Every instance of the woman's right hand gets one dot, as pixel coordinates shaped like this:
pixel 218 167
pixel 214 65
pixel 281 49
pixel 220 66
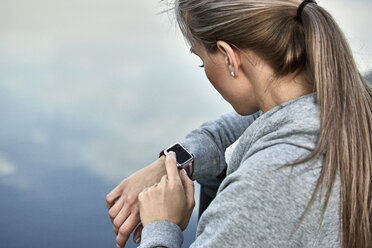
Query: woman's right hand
pixel 122 201
pixel 172 199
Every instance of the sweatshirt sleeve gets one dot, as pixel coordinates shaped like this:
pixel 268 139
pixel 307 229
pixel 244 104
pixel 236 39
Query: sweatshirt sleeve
pixel 161 234
pixel 209 142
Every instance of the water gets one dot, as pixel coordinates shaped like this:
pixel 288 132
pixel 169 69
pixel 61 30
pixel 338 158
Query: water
pixel 90 92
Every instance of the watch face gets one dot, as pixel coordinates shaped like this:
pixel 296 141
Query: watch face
pixel 183 156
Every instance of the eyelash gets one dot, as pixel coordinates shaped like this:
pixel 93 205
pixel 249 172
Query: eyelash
pixel 201 66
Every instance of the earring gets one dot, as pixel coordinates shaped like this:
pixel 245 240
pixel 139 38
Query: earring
pixel 232 74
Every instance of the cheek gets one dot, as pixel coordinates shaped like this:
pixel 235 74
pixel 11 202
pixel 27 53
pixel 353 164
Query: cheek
pixel 214 76
pixel 210 77
pixel 242 98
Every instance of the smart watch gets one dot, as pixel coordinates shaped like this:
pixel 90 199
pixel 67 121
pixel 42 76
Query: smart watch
pixel 185 158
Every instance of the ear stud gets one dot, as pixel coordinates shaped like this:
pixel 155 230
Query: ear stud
pixel 232 74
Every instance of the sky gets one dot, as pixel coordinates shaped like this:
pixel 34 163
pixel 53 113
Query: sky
pixel 90 92
pixel 112 82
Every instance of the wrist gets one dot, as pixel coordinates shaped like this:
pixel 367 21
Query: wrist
pixel 185 159
pixel 152 173
pixel 159 169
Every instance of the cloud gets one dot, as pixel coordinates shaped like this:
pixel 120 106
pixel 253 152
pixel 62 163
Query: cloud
pixel 354 18
pixel 7 168
pixel 111 82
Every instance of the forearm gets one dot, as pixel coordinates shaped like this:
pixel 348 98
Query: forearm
pixel 209 142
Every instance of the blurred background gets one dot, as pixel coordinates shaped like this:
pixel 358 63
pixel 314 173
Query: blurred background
pixel 90 92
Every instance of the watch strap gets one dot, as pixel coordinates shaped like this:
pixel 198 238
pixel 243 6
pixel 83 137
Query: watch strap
pixel 189 169
pixel 161 153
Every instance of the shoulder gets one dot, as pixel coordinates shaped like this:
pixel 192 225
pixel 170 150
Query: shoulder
pixel 289 128
pixel 271 199
pixel 265 172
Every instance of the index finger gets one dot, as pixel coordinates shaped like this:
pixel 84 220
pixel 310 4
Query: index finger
pixel 171 166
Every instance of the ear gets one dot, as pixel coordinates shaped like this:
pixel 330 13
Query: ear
pixel 232 56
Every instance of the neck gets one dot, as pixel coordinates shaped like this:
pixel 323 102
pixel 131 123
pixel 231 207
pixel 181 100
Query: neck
pixel 272 91
pixel 285 89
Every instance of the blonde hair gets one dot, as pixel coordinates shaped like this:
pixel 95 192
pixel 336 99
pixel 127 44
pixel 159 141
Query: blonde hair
pixel 317 47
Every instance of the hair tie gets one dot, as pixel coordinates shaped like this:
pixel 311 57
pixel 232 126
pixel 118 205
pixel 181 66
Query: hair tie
pixel 301 8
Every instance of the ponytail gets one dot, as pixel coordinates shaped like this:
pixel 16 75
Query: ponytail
pixel 345 100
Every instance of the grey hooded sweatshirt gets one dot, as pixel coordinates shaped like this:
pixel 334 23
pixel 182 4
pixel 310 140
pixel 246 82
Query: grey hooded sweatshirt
pixel 260 203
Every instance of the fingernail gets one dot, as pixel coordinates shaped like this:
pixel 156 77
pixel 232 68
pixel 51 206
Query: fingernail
pixel 138 240
pixel 171 155
pixel 184 171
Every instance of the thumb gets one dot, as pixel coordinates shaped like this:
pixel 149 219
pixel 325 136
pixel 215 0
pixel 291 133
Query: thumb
pixel 188 186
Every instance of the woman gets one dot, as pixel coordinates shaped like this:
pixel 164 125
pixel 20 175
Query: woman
pixel 300 173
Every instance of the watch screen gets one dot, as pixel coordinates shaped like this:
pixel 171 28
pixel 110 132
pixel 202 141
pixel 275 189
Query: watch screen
pixel 181 154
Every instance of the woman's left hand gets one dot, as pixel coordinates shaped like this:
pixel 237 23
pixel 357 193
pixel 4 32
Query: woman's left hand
pixel 172 199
